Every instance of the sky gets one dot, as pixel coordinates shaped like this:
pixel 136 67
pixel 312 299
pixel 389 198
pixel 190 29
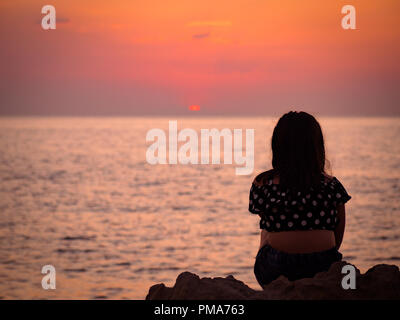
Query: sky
pixel 236 57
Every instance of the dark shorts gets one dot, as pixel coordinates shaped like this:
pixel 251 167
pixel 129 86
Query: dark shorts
pixel 271 263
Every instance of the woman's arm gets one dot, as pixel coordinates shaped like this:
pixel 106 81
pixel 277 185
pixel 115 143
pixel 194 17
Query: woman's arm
pixel 264 238
pixel 339 231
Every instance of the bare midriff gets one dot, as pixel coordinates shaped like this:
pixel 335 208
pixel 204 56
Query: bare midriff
pixel 299 241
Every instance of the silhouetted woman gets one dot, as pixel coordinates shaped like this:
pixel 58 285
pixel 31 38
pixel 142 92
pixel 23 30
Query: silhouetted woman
pixel 301 207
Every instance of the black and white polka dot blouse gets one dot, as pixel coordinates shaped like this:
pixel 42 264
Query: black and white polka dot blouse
pixel 284 210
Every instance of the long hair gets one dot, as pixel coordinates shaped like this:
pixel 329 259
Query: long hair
pixel 298 150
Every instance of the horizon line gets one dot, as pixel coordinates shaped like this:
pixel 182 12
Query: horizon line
pixel 195 115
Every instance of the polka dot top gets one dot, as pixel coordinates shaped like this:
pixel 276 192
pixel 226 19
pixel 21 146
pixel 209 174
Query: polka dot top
pixel 283 210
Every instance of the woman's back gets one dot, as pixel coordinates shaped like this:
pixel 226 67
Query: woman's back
pixel 299 241
pixel 299 223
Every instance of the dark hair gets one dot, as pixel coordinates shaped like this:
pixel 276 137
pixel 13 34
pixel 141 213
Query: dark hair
pixel 298 151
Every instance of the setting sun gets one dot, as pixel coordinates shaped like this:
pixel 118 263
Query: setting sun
pixel 194 107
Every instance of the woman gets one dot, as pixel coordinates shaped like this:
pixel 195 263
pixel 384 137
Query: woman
pixel 301 207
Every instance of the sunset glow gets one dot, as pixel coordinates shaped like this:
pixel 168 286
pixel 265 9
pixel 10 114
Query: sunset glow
pixel 134 57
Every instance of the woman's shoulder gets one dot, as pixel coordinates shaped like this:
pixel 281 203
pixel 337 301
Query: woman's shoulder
pixel 339 192
pixel 328 178
pixel 271 177
pixel 264 177
pixel 331 180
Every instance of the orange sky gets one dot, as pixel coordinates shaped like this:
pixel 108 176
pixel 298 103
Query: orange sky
pixel 230 57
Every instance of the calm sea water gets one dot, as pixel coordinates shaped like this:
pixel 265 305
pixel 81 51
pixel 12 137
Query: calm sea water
pixel 78 194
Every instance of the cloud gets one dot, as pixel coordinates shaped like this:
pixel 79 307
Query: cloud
pixel 201 35
pixel 62 20
pixel 216 23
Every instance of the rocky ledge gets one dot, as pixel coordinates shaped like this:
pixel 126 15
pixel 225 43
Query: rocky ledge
pixel 380 282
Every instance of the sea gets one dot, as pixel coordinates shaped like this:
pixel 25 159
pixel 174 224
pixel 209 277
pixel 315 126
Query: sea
pixel 77 193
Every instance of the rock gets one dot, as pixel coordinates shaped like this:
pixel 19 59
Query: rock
pixel 380 282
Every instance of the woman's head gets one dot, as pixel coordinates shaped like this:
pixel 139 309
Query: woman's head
pixel 298 151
